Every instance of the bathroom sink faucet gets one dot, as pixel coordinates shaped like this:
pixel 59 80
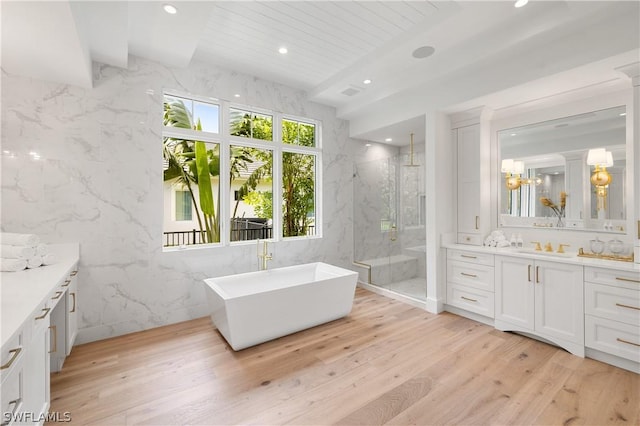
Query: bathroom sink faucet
pixel 548 247
pixel 263 256
pixel 561 248
pixel 537 243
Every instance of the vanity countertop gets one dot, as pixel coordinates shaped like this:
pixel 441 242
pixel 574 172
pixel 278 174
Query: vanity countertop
pixel 22 292
pixel 569 257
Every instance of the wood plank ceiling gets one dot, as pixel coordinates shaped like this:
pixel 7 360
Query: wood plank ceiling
pixel 322 37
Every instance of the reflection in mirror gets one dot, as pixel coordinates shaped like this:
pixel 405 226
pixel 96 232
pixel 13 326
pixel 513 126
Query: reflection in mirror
pixel 545 177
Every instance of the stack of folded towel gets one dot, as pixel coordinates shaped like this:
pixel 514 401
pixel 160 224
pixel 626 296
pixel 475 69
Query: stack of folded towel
pixel 496 239
pixel 21 251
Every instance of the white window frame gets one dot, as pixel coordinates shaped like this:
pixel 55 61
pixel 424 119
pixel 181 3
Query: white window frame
pixel 276 146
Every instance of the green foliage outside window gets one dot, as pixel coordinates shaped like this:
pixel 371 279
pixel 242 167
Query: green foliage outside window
pixel 192 164
pixel 251 125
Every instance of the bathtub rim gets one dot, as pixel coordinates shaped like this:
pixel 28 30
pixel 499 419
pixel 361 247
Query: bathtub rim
pixel 336 271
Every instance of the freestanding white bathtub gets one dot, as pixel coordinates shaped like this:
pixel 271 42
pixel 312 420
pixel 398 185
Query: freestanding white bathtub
pixel 255 307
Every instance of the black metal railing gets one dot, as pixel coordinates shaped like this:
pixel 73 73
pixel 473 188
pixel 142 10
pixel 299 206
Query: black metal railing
pixel 250 229
pixel 241 230
pixel 183 238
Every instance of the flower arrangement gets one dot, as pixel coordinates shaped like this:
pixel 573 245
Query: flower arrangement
pixel 557 210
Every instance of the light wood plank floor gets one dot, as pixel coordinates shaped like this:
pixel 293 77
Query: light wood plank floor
pixel 386 363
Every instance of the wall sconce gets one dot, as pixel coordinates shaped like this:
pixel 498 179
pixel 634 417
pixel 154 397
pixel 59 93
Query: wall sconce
pixel 600 159
pixel 514 169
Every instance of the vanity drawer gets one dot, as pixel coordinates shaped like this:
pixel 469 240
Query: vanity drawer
pixel 470 256
pixel 626 279
pixel 615 303
pixel 470 274
pixel 13 351
pixel 12 395
pixel 613 337
pixel 470 299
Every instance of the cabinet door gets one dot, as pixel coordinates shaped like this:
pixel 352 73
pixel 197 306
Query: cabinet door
pixel 559 301
pixel 72 312
pixel 468 153
pixel 36 380
pixel 515 293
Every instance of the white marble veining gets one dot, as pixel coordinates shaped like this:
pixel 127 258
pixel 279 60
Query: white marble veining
pixel 386 190
pixel 99 182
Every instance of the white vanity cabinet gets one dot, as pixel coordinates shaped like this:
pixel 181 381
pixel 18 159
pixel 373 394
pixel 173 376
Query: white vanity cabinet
pixel 35 334
pixel 12 374
pixel 36 378
pixel 544 298
pixel 612 314
pixel 72 309
pixel 470 281
pixel 469 178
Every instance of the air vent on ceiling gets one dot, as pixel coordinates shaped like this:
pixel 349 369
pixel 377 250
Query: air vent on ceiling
pixel 350 91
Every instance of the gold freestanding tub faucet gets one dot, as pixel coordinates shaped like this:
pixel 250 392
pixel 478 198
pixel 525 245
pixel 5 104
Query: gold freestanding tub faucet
pixel 263 257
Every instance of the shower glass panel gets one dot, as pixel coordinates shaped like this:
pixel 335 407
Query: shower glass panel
pixel 389 224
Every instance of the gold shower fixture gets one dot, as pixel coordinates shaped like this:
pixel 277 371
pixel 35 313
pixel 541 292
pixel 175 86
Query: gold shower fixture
pixel 411 163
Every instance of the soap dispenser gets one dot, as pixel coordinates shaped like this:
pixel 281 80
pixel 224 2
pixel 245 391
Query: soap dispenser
pixel 513 240
pixel 520 241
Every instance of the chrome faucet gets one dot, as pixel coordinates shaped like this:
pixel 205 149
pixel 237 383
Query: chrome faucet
pixel 263 257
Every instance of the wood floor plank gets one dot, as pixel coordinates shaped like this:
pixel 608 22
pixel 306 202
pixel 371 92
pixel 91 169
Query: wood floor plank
pixel 386 363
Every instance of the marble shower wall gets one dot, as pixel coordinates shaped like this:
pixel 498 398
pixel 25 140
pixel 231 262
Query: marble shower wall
pixel 385 189
pixel 99 182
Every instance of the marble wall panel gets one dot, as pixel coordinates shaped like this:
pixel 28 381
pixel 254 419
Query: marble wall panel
pixel 99 182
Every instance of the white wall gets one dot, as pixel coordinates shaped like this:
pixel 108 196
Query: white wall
pixel 99 182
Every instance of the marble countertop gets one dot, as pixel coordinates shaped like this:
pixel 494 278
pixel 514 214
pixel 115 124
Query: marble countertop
pixel 569 257
pixel 22 292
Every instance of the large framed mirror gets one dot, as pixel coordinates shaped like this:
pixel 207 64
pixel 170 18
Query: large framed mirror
pixel 546 179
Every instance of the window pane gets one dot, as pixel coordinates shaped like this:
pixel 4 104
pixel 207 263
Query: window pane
pixel 196 167
pixel 239 123
pixel 186 114
pixel 208 116
pixel 251 187
pixel 183 205
pixel 298 194
pixel 262 127
pixel 298 133
pixel 250 125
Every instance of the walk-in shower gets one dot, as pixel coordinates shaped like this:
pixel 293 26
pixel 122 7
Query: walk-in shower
pixel 389 223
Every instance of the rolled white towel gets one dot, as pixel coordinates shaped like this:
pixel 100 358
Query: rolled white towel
pixel 34 262
pixel 42 249
pixel 503 243
pixel 13 239
pixel 16 252
pixel 12 265
pixel 48 259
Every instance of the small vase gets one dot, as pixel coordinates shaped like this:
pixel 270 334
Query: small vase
pixel 560 222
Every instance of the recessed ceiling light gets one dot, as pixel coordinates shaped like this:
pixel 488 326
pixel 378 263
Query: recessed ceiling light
pixel 388 140
pixel 513 134
pixel 423 52
pixel 237 95
pixel 170 9
pixel 520 3
pixel 283 50
pixel 622 114
pixel 366 81
pixel 367 144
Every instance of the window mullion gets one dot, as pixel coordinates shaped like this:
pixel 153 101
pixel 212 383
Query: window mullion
pixel 277 176
pixel 225 186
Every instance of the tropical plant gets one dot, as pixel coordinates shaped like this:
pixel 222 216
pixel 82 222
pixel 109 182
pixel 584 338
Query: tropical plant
pixel 191 163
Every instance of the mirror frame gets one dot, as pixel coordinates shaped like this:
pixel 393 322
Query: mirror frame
pixel 561 107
